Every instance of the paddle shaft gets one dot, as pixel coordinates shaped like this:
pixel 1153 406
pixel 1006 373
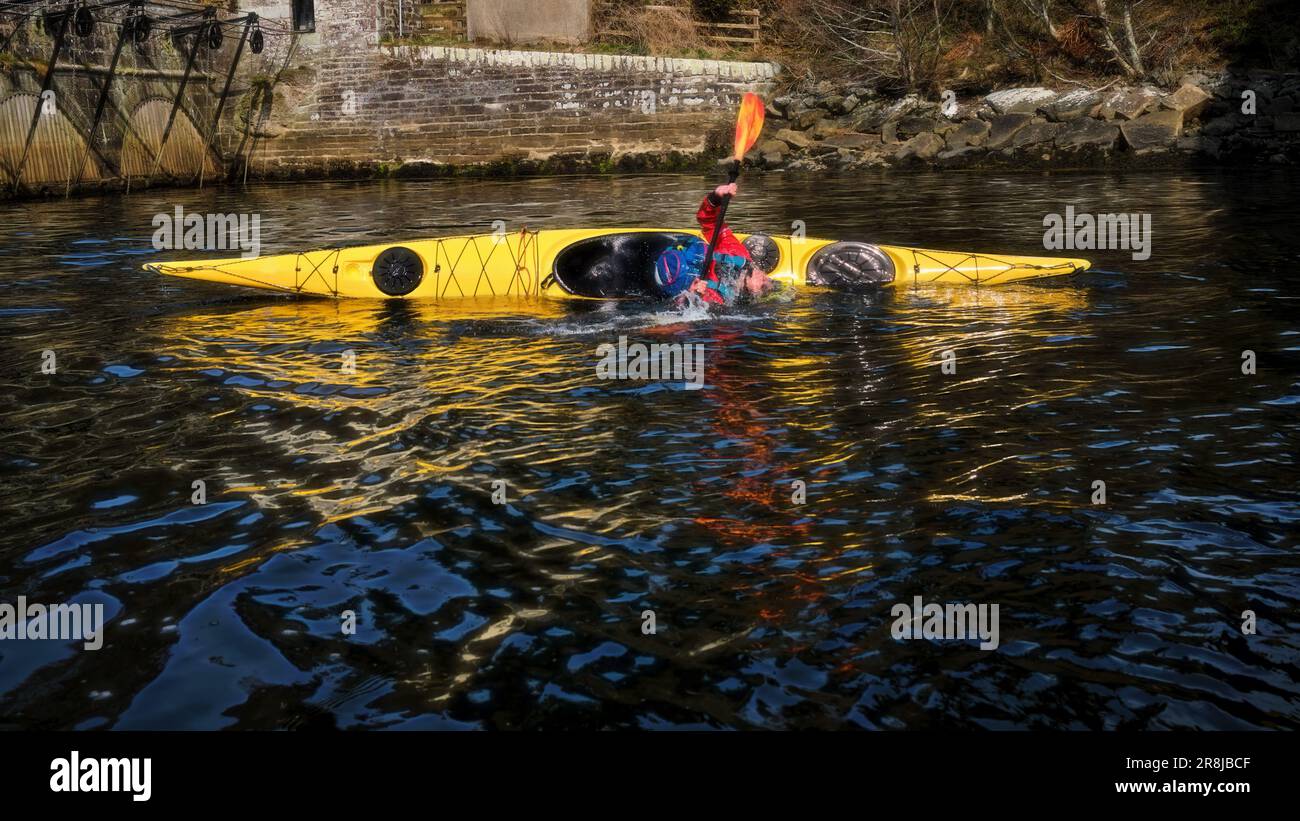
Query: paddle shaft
pixel 722 217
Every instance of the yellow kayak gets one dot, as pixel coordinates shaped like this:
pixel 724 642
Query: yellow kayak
pixel 594 263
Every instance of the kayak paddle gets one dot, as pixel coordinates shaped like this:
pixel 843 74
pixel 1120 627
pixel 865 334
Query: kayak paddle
pixel 749 123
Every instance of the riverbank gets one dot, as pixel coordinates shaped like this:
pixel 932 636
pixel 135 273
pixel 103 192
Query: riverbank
pixel 1207 118
pixel 1219 117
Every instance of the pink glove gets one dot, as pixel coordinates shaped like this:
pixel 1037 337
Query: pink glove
pixel 725 190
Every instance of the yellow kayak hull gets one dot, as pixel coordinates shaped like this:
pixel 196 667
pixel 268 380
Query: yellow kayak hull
pixel 520 264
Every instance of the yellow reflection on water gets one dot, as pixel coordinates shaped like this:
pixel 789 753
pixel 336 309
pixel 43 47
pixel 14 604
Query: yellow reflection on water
pixel 442 387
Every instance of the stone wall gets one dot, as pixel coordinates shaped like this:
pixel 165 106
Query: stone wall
pixel 426 109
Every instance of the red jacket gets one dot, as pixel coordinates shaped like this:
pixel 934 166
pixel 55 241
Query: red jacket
pixel 727 242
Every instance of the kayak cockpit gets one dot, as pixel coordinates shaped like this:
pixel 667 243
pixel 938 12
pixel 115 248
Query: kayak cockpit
pixel 615 265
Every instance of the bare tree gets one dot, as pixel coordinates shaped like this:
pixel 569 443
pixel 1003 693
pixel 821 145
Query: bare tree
pixel 1128 56
pixel 894 42
pixel 1042 11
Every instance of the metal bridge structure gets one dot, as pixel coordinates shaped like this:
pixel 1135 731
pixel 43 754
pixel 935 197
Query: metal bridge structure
pixel 122 93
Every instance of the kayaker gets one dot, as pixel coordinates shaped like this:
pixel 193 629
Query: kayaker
pixel 733 276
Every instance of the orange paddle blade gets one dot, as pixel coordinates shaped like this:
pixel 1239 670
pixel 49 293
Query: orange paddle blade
pixel 748 124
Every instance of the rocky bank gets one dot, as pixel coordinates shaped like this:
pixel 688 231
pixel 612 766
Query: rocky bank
pixel 1207 117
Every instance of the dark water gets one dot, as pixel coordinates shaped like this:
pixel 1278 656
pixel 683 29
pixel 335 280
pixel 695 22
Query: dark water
pixel 373 492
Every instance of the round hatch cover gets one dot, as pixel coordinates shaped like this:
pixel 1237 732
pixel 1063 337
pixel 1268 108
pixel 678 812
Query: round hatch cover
pixel 397 271
pixel 850 265
pixel 764 251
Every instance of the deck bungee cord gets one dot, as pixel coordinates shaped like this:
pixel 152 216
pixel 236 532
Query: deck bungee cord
pixel 976 277
pixel 395 270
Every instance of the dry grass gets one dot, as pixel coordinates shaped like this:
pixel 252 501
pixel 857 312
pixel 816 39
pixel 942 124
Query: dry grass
pixel 667 32
pixel 660 30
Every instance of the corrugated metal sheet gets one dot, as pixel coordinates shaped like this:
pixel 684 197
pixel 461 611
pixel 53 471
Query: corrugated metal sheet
pixel 182 155
pixel 56 146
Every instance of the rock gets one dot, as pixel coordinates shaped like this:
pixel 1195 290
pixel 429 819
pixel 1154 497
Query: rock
pixel 851 140
pixel 1288 122
pixel 1019 100
pixel 1087 132
pixel 847 158
pixel 781 105
pixel 1071 106
pixel 825 128
pixel 1222 126
pixel 1189 100
pixel 794 138
pixel 805 120
pixel 1036 132
pixel 911 104
pixel 1004 127
pixel 1153 131
pixel 806 164
pixel 1263 93
pixel 889 132
pixel 773 146
pixel 1213 82
pixel 1129 103
pixel 839 104
pixel 958 156
pixel 970 110
pixel 772 160
pixel 1199 145
pixel 869 117
pixel 921 147
pixel 908 127
pixel 969 133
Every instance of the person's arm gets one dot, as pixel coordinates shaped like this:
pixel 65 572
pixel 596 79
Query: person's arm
pixel 707 216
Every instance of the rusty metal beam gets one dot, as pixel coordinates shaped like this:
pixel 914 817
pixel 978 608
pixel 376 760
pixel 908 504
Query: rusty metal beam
pixel 249 21
pixel 176 103
pixel 122 36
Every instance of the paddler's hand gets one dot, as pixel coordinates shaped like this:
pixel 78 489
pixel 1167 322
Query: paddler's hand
pixel 728 190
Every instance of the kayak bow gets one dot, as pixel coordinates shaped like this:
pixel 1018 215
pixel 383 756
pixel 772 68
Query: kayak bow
pixel 600 263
